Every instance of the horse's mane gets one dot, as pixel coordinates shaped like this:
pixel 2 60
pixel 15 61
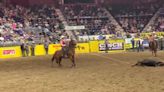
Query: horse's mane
pixel 72 44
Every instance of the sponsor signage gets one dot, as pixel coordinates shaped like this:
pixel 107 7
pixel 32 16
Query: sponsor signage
pixel 74 27
pixel 111 46
pixel 8 52
pixel 145 43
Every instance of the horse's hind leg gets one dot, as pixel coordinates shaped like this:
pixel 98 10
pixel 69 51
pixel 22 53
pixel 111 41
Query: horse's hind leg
pixel 73 61
pixel 59 61
pixel 52 60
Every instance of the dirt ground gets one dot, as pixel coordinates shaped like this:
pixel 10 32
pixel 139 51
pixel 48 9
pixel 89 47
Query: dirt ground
pixel 94 73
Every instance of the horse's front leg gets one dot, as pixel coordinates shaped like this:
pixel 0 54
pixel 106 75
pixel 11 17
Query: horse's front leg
pixel 52 64
pixel 52 60
pixel 155 53
pixel 73 61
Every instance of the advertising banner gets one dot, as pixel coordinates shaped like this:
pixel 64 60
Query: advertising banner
pixel 53 48
pixel 82 48
pixel 145 43
pixel 111 46
pixel 9 52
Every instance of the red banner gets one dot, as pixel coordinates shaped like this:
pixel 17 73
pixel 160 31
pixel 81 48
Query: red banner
pixel 8 52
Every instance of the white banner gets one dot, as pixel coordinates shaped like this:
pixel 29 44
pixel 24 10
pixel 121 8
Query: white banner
pixel 74 27
pixel 111 46
pixel 92 37
pixel 128 40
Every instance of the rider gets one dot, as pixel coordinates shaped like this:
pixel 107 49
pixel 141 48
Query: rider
pixel 152 38
pixel 63 43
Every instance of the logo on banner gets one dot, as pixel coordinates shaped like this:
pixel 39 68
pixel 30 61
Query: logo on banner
pixel 8 52
pixel 146 43
pixel 111 46
pixel 80 47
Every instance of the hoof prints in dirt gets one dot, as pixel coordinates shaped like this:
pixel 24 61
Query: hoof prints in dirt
pixel 149 63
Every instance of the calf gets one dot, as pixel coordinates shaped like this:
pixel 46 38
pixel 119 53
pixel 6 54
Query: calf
pixel 149 63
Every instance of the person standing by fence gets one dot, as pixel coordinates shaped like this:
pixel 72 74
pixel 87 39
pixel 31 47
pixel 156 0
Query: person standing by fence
pixel 133 43
pixel 27 48
pixel 23 49
pixel 46 45
pixel 106 45
pixel 33 49
pixel 139 45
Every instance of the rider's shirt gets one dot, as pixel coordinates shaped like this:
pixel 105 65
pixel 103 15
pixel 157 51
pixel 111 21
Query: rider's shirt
pixel 63 42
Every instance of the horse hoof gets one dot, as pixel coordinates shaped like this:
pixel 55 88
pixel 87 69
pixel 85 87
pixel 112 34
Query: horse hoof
pixel 73 66
pixel 60 65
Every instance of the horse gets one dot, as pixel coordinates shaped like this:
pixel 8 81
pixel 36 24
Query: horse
pixel 153 46
pixel 58 55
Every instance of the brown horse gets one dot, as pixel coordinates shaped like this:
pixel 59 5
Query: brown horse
pixel 58 55
pixel 153 47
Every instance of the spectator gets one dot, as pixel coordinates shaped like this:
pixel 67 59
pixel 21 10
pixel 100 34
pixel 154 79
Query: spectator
pixel 133 43
pixel 33 49
pixel 139 45
pixel 106 45
pixel 46 45
pixel 23 49
pixel 27 48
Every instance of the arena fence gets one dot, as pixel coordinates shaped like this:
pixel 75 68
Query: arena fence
pixel 116 45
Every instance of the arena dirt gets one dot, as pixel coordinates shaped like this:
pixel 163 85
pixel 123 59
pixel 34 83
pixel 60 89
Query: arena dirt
pixel 94 73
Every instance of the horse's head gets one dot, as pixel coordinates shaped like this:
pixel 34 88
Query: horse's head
pixel 72 43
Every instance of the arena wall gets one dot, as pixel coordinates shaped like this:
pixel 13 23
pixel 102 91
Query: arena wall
pixel 92 46
pixel 89 47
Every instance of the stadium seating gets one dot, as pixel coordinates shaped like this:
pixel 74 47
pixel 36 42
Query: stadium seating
pixel 40 23
pixel 133 18
pixel 93 17
pixel 36 23
pixel 159 22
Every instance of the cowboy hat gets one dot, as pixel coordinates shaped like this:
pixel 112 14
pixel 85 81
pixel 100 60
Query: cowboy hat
pixel 62 37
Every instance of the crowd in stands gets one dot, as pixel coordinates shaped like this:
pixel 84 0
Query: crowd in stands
pixel 159 22
pixel 35 24
pixel 93 17
pixel 133 18
pixel 41 23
